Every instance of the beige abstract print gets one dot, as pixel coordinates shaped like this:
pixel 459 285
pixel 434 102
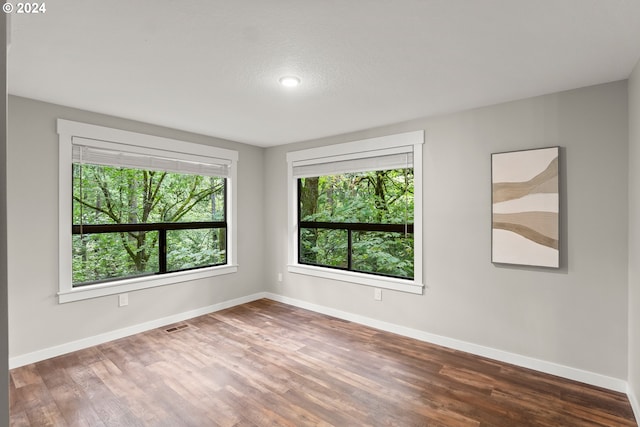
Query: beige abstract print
pixel 525 207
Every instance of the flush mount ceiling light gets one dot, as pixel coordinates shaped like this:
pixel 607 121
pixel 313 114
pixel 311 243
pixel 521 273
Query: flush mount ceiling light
pixel 289 81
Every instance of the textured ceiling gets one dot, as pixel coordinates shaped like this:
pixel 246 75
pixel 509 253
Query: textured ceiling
pixel 212 66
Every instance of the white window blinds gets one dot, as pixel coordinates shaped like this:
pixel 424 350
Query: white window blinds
pixel 95 152
pixel 383 159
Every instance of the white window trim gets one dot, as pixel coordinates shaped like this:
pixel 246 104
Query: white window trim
pixel 351 150
pixel 139 143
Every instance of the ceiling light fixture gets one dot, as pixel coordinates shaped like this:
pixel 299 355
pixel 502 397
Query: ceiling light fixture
pixel 289 81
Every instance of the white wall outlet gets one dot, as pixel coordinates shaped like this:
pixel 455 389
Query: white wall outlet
pixel 377 294
pixel 279 277
pixel 123 299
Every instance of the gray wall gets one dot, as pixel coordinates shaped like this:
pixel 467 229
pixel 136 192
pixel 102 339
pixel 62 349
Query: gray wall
pixel 634 236
pixel 36 319
pixel 575 316
pixel 4 363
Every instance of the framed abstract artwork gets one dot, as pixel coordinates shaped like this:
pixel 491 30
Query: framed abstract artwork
pixel 525 207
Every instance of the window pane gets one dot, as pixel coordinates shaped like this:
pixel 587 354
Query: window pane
pixel 195 248
pixel 113 195
pixel 382 197
pixel 323 247
pixel 383 253
pixel 375 197
pixel 108 195
pixel 114 256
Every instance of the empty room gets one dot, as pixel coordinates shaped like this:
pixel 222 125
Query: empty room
pixel 320 213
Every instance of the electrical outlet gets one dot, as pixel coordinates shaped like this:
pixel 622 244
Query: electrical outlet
pixel 279 277
pixel 123 299
pixel 377 294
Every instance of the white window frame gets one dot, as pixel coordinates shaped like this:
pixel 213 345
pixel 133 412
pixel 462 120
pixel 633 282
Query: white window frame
pixel 408 142
pixel 104 137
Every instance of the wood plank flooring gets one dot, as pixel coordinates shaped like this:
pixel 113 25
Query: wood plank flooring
pixel 270 364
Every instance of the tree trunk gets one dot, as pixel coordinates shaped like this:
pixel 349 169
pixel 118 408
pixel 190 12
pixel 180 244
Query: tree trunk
pixel 380 200
pixel 308 207
pixel 138 238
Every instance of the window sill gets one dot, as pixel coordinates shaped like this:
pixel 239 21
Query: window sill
pixel 359 278
pixel 128 285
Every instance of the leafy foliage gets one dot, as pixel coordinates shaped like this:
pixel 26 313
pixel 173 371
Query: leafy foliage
pixel 383 253
pixel 113 195
pixel 195 248
pixel 376 197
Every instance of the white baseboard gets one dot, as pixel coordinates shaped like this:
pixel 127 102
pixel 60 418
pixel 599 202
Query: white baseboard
pixel 47 353
pixel 587 377
pixel 503 356
pixel 635 403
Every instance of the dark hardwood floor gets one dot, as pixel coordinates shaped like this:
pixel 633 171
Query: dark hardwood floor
pixel 270 364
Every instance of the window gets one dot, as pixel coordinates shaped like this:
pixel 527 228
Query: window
pixel 358 221
pixel 132 222
pixel 355 212
pixel 138 211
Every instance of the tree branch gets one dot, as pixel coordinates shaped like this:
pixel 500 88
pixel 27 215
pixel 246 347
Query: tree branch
pixel 154 195
pixel 200 196
pixel 107 196
pixel 127 248
pixel 106 212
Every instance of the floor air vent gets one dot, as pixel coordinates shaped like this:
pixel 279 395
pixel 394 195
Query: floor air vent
pixel 176 328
